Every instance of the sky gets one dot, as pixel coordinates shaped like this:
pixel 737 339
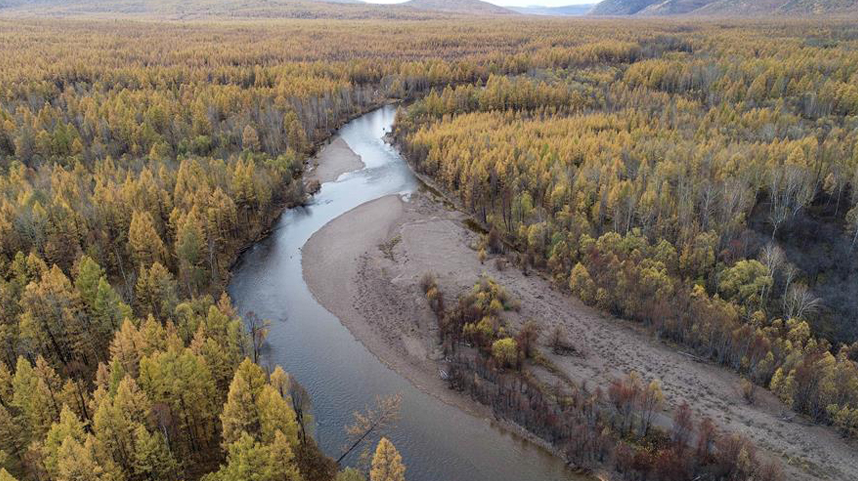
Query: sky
pixel 516 3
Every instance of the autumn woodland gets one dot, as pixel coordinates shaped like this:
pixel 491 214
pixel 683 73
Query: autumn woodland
pixel 697 178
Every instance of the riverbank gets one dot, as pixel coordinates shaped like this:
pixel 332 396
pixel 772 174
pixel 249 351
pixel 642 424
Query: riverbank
pixel 389 316
pixel 333 160
pixel 345 274
pixel 341 376
pixel 365 267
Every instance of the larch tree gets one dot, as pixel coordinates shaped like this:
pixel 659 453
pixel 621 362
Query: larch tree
pixel 11 436
pixel 180 381
pixel 256 408
pixel 89 274
pixel 33 399
pixel 6 389
pixel 77 462
pixel 69 427
pixel 387 463
pixel 191 250
pixel 350 474
pixel 156 292
pixel 107 311
pixel 250 139
pixel 276 416
pixel 5 476
pixel 240 413
pixel 116 420
pixel 152 457
pixel 52 317
pixel 249 460
pixel 144 241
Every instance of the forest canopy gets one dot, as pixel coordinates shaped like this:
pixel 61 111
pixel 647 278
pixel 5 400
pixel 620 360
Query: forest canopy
pixel 678 174
pixel 687 181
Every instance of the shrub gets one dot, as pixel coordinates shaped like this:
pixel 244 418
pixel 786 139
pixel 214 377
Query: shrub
pixel 749 391
pixel 505 352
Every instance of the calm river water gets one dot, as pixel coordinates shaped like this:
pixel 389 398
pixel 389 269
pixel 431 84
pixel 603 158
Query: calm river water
pixel 438 442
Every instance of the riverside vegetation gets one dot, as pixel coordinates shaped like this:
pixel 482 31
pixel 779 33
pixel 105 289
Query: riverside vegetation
pixel 671 174
pixel 701 187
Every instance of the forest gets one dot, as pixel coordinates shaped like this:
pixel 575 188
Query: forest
pixel 698 186
pixel 131 179
pixel 669 174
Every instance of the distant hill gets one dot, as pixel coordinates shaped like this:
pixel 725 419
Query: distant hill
pixel 227 9
pixel 781 7
pixel 567 11
pixel 731 8
pixel 211 9
pixel 679 7
pixel 469 7
pixel 621 7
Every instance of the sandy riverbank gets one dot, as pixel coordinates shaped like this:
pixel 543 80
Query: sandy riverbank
pixel 376 294
pixel 346 271
pixel 335 159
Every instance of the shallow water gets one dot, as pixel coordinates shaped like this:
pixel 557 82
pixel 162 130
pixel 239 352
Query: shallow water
pixel 438 442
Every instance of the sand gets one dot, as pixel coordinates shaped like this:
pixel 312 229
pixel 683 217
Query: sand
pixel 335 159
pixel 377 296
pixel 396 335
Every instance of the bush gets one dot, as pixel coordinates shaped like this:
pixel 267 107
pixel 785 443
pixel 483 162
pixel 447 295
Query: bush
pixel 749 391
pixel 527 338
pixel 559 341
pixel 505 352
pixel 428 281
pixel 494 242
pixel 582 285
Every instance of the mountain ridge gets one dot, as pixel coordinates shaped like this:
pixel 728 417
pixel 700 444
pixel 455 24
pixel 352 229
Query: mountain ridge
pixel 725 8
pixel 213 9
pixel 248 9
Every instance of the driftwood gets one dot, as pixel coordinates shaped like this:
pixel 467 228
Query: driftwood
pixel 693 357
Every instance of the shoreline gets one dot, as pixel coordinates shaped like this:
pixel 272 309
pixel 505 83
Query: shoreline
pixel 333 160
pixel 375 293
pixel 328 275
pixel 312 161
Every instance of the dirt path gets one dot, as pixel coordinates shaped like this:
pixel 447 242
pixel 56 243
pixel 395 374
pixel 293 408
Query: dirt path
pixel 365 267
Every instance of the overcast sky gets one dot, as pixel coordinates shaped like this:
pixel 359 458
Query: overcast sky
pixel 516 3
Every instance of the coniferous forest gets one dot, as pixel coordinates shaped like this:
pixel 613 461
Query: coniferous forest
pixel 698 178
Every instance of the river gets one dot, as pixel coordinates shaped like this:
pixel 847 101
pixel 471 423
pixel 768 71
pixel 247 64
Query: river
pixel 438 442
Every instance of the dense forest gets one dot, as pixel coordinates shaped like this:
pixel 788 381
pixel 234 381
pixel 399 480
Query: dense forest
pixel 670 174
pixel 132 174
pixel 690 182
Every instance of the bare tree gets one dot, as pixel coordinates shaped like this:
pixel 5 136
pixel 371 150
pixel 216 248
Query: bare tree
pixel 683 427
pixel 706 204
pixel 258 329
pixel 735 202
pixel 799 301
pixel 559 341
pixel 790 189
pixel 773 258
pixel 371 421
pixel 649 401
